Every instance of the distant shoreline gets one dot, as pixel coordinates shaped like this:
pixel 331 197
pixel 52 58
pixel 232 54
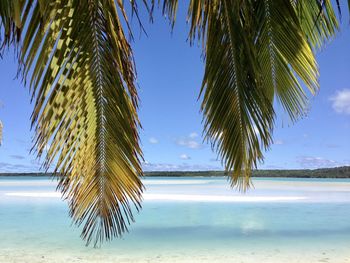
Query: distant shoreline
pixel 338 172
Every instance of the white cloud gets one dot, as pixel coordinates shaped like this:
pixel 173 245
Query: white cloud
pixel 185 157
pixel 341 101
pixel 153 140
pixel 278 142
pixel 178 167
pixel 189 141
pixel 332 145
pixel 193 135
pixel 18 157
pixel 271 166
pixel 18 167
pixel 312 162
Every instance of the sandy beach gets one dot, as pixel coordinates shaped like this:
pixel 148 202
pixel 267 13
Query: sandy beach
pixel 272 256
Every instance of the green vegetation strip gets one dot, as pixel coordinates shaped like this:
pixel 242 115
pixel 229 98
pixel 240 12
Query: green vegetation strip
pixel 338 172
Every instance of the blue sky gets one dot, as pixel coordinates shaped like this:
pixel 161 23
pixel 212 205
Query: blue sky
pixel 169 77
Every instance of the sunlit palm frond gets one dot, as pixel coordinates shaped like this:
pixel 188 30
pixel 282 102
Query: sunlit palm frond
pixel 82 80
pixel 285 56
pixel 289 32
pixel 317 20
pixel 169 8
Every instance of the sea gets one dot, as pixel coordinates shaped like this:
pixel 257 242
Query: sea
pixel 192 219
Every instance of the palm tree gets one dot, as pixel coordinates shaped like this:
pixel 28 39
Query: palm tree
pixel 80 69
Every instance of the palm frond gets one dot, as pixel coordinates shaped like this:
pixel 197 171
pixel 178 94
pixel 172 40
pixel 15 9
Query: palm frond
pixel 238 117
pixel 83 83
pixel 255 52
pixel 285 56
pixel 317 20
pixel 10 21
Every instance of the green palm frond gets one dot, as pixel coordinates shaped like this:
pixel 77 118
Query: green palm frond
pixel 288 33
pixel 317 20
pixel 238 117
pixel 83 82
pixel 285 56
pixel 255 52
pixel 10 21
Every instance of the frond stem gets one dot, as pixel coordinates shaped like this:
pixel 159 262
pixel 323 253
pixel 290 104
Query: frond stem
pixel 233 61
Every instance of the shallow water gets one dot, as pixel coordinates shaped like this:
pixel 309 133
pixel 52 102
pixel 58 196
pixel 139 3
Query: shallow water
pixel 187 220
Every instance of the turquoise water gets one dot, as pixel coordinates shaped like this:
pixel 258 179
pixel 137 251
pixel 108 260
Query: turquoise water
pixel 300 216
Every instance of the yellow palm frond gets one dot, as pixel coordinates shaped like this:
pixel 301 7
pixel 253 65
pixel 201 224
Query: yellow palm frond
pixel 83 82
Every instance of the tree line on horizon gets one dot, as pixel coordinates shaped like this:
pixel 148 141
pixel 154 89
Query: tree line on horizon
pixel 336 172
